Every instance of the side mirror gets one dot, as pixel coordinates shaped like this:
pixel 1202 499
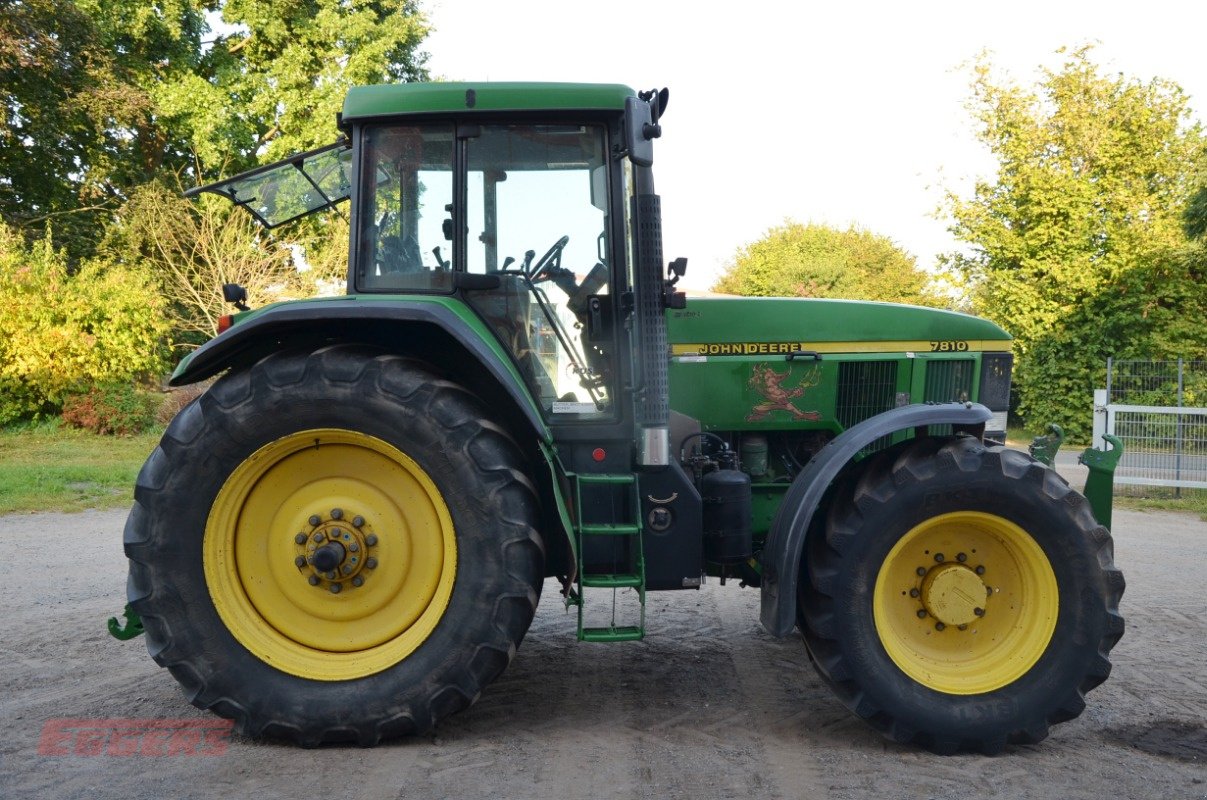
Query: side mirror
pixel 234 293
pixel 640 131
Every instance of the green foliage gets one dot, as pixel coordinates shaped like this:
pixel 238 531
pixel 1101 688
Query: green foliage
pixel 61 331
pixel 117 409
pixel 795 260
pixel 1195 218
pixel 1078 243
pixel 98 97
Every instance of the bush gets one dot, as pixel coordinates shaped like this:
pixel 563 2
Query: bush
pixel 111 408
pixel 61 331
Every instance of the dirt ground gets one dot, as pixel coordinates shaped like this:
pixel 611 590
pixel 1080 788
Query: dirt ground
pixel 707 706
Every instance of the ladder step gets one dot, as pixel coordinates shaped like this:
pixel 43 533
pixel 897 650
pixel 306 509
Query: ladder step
pixel 629 633
pixel 609 530
pixel 607 581
pixel 618 480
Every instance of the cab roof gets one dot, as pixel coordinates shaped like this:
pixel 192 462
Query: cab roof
pixel 432 98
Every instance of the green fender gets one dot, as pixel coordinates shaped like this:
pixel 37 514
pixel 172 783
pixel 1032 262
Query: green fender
pixel 781 557
pixel 439 329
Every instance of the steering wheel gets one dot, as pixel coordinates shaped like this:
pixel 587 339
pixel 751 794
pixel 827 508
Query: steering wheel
pixel 551 260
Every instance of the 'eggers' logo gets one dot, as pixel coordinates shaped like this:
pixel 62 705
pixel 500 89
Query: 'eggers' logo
pixel 135 737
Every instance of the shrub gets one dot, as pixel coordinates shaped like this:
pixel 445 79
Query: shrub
pixel 111 408
pixel 60 331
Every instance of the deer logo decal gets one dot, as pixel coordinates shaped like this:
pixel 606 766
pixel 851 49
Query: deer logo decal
pixel 770 384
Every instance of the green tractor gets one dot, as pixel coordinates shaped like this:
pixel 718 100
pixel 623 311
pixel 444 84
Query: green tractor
pixel 345 537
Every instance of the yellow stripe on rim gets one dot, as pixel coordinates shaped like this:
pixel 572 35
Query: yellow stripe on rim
pixel 254 539
pixel 965 603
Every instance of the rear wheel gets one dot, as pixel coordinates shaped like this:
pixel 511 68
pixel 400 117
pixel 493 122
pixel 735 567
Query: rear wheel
pixel 334 546
pixel 960 597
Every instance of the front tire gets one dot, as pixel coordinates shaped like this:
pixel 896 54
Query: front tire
pixel 960 597
pixel 334 546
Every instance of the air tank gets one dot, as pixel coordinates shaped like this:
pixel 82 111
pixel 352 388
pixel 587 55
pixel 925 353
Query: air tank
pixel 726 499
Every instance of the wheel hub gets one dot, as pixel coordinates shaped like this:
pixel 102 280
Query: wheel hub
pixel 336 553
pixel 953 594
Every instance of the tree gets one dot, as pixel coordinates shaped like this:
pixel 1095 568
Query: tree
pixel 814 260
pixel 1078 246
pixel 101 96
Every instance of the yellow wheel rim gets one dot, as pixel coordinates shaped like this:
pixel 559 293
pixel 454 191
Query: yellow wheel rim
pixel 394 535
pixel 965 603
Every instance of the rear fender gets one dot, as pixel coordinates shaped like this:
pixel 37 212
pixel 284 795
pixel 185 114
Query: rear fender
pixel 781 557
pixel 440 331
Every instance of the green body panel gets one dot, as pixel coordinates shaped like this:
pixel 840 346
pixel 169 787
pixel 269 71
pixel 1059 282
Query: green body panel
pixel 774 319
pixel 434 98
pixel 465 316
pixel 729 367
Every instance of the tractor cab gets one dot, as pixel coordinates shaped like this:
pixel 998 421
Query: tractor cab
pixel 528 217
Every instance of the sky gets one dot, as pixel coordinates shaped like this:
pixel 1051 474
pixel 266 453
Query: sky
pixel 836 113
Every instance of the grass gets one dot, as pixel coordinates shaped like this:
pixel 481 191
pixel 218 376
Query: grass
pixel 54 468
pixel 1192 501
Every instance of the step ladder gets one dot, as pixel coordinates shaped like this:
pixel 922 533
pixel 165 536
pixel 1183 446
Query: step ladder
pixel 634 575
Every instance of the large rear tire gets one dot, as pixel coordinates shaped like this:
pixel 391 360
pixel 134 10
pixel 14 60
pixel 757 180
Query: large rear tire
pixel 334 546
pixel 960 597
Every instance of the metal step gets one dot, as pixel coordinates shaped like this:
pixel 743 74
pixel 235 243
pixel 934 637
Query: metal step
pixel 630 633
pixel 613 581
pixel 609 530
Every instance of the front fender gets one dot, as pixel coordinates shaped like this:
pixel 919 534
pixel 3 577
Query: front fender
pixel 440 330
pixel 786 540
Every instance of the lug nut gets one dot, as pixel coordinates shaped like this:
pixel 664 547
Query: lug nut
pixel 914 593
pixel 939 557
pixel 318 537
pixel 300 561
pixel 980 612
pixel 337 513
pixel 988 591
pixel 921 570
pixel 939 626
pixel 347 569
pixel 315 519
pixel 313 580
pixel 963 627
pixel 335 588
pixel 980 570
pixel 961 558
pixel 921 613
pixel 371 563
pixel 358 521
pixel 358 581
pixel 330 576
pixel 371 539
pixel 300 538
pixel 354 547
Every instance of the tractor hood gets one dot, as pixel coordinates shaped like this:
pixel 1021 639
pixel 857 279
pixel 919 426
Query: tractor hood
pixel 773 326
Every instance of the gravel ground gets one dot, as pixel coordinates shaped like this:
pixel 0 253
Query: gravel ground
pixel 707 706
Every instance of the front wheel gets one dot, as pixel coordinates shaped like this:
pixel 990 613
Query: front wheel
pixel 334 546
pixel 961 597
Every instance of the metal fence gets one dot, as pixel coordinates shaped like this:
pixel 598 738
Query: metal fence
pixel 1159 410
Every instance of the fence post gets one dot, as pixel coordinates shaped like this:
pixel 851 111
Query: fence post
pixel 1101 397
pixel 1177 469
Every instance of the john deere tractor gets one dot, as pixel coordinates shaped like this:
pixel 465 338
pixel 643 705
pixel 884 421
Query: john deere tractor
pixel 345 537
